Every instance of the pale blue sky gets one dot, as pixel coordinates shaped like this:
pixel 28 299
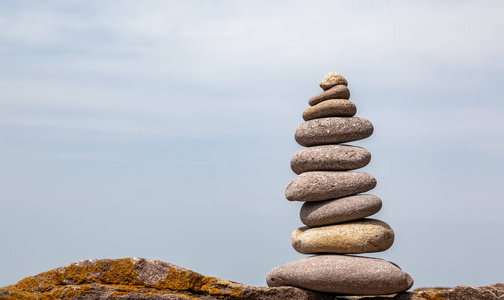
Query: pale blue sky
pixel 164 130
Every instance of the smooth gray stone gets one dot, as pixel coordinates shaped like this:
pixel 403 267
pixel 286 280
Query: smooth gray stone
pixel 330 108
pixel 360 236
pixel 320 213
pixel 325 185
pixel 342 274
pixel 336 92
pixel 329 158
pixel 332 131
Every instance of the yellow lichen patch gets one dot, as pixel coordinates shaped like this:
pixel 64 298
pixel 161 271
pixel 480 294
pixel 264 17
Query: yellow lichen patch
pixel 119 278
pixel 62 292
pixel 221 287
pixel 29 284
pixel 432 295
pixel 232 288
pixel 74 280
pixel 18 296
pixel 181 280
pixel 119 271
pixel 125 289
pixel 117 293
pixel 40 283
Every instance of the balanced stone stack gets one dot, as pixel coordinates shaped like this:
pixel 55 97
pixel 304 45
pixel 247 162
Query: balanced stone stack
pixel 334 211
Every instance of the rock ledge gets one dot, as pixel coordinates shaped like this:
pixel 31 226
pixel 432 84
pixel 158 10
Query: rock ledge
pixel 138 278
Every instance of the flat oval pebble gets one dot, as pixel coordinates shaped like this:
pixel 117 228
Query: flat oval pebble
pixel 332 131
pixel 330 108
pixel 342 274
pixel 329 158
pixel 362 236
pixel 325 185
pixel 336 92
pixel 340 210
pixel 332 79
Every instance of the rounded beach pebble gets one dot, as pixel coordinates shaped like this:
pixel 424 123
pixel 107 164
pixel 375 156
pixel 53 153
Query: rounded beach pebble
pixel 329 158
pixel 362 236
pixel 332 131
pixel 336 92
pixel 340 210
pixel 332 79
pixel 325 185
pixel 330 108
pixel 342 274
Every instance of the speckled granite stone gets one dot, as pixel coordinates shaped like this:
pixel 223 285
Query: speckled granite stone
pixel 332 131
pixel 342 274
pixel 332 79
pixel 336 92
pixel 319 213
pixel 361 236
pixel 330 108
pixel 325 185
pixel 329 158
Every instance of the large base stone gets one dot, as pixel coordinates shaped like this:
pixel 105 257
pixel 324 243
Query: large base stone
pixel 342 274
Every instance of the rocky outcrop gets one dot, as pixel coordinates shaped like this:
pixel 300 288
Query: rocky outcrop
pixel 138 278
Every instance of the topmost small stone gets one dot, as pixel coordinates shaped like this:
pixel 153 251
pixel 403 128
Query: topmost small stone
pixel 332 79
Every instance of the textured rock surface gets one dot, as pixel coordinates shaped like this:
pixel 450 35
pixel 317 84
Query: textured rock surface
pixel 329 158
pixel 491 292
pixel 332 131
pixel 330 108
pixel 339 210
pixel 325 185
pixel 332 79
pixel 337 92
pixel 136 278
pixel 362 236
pixel 342 274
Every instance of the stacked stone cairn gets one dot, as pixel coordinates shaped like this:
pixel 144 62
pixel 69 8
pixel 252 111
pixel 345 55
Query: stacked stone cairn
pixel 334 211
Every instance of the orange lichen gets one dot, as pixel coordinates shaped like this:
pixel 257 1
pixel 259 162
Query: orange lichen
pixel 120 278
pixel 432 294
pixel 183 280
pixel 74 280
pixel 119 271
